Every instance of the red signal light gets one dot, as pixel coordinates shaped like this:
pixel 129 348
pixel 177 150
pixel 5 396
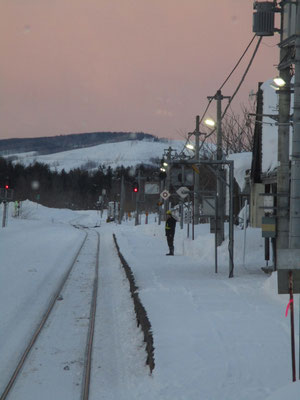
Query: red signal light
pixel 6 187
pixel 135 189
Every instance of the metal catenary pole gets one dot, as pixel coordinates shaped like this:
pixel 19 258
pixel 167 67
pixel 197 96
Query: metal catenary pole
pixel 196 176
pixel 230 164
pixel 182 201
pixel 188 216
pixel 216 236
pixel 220 185
pixel 231 222
pixel 159 205
pixel 245 230
pixel 168 180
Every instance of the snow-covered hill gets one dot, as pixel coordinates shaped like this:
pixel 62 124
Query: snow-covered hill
pixel 127 153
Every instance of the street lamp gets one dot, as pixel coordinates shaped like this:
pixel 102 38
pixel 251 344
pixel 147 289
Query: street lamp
pixel 210 122
pixel 189 146
pixel 279 82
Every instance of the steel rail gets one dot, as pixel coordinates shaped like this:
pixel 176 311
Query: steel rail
pixel 90 337
pixel 40 325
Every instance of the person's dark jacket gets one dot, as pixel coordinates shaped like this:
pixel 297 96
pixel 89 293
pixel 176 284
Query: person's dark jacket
pixel 170 226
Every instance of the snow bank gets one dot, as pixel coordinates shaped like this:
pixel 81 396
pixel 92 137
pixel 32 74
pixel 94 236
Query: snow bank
pixel 141 314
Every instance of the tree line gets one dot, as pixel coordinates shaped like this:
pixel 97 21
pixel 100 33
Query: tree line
pixel 76 189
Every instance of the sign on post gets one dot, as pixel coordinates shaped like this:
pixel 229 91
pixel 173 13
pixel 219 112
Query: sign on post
pixel 151 188
pixel 268 227
pixel 183 192
pixel 165 194
pixel 209 206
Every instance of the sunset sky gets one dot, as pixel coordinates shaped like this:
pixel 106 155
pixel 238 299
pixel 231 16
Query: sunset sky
pixel 72 66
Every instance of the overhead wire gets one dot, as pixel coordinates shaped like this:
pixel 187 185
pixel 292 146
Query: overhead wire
pixel 237 64
pixel 239 85
pixel 223 84
pixel 229 76
pixel 244 75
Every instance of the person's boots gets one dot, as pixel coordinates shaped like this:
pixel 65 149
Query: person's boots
pixel 170 252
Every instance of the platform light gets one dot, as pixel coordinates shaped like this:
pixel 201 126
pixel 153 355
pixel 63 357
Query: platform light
pixel 279 82
pixel 189 146
pixel 210 122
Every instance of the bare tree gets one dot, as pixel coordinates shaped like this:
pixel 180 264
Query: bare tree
pixel 237 130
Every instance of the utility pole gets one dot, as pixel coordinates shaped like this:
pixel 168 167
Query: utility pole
pixel 168 180
pixel 283 171
pixel 220 179
pixel 295 169
pixel 196 175
pixel 196 159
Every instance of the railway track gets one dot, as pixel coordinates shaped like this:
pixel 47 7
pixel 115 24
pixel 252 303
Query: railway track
pixel 71 309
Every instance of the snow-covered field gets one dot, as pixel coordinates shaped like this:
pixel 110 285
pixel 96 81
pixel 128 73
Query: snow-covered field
pixel 127 153
pixel 215 338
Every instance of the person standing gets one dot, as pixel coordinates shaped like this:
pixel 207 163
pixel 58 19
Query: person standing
pixel 170 232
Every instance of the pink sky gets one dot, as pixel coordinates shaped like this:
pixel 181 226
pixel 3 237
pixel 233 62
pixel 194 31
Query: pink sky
pixel 71 66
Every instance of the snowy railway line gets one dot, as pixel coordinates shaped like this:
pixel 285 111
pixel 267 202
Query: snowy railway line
pixel 63 314
pixel 214 338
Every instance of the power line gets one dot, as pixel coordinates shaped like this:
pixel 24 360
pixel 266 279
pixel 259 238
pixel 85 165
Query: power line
pixel 229 76
pixel 225 81
pixel 240 83
pixel 244 75
pixel 237 64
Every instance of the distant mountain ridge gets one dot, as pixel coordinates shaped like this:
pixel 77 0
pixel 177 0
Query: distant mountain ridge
pixel 57 144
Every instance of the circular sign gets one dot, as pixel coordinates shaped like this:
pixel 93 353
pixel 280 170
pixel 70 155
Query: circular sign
pixel 165 194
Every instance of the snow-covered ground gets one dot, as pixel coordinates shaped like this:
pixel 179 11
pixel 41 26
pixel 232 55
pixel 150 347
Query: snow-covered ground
pixel 214 337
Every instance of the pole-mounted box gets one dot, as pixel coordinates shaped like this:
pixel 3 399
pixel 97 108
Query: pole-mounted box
pixel 268 226
pixel 263 18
